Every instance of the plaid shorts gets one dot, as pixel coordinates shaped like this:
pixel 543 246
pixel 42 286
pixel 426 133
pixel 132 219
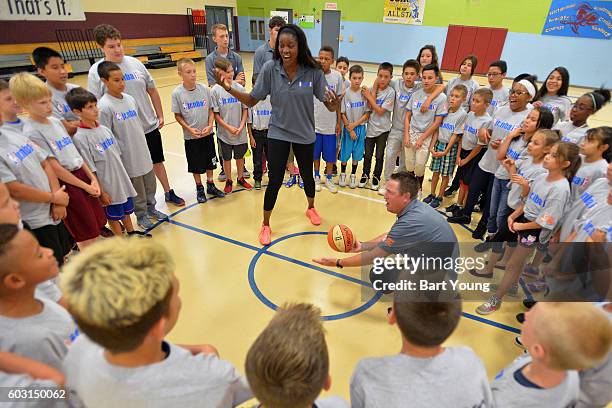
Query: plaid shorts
pixel 444 165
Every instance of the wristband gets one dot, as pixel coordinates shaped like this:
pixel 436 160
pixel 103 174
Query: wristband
pixel 338 264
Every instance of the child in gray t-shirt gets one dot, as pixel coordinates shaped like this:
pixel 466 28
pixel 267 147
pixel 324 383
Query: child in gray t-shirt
pixel 36 328
pixel 466 70
pixel 392 381
pixel 595 151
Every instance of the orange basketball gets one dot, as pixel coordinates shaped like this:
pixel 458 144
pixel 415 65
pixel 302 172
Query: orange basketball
pixel 340 238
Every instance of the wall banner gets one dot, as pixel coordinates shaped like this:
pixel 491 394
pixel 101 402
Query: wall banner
pixel 404 12
pixel 41 10
pixel 569 18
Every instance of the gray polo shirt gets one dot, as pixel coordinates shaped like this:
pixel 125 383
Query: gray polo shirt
pixel 263 54
pixel 231 56
pixel 137 81
pixel 471 127
pixel 416 225
pixel 61 110
pixel 452 124
pixel 121 117
pixel 260 114
pixel 589 203
pixel 526 168
pixel 102 153
pixel 230 109
pixel 20 161
pixel 470 84
pixel 193 105
pixel 325 121
pixel 354 105
pixel 378 124
pixel 546 202
pixel 500 98
pixel 292 100
pixel 504 122
pixel 53 138
pixel 403 95
pixel 570 132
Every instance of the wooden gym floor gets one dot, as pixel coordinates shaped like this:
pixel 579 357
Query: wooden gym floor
pixel 229 284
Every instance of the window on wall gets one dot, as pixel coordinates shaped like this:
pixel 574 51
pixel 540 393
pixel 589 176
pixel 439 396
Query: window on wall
pixel 258 30
pixel 262 32
pixel 253 25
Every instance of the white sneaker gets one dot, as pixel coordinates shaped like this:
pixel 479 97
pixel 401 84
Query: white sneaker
pixel 420 194
pixel 374 184
pixel 331 186
pixel 353 181
pixel 396 169
pixel 382 191
pixel 342 181
pixel 317 183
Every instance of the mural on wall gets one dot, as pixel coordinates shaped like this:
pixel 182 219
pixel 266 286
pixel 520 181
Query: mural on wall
pixel 568 18
pixel 307 21
pixel 404 12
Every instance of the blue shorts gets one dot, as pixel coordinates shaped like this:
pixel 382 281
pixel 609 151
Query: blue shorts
pixel 325 144
pixel 117 212
pixel 350 147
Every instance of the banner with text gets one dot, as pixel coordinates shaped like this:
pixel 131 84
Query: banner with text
pixel 404 12
pixel 41 10
pixel 569 18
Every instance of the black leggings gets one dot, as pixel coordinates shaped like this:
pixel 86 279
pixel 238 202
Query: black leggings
pixel 277 162
pixel 481 183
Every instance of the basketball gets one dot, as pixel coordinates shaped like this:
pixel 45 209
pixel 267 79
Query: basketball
pixel 340 238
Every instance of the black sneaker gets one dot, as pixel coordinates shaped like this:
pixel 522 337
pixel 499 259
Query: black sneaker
pixel 106 232
pixel 200 194
pixel 480 230
pixel 452 208
pixel 483 246
pixel 172 198
pixel 212 190
pixel 460 219
pixel 529 303
pixel 139 234
pixel 518 342
pixel 449 192
pixel 429 199
pixel 436 202
pixel 520 318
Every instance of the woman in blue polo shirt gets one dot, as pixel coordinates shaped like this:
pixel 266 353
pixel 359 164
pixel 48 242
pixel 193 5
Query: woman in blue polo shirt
pixel 291 79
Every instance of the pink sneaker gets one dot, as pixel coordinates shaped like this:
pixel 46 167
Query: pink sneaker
pixel 315 219
pixel 264 235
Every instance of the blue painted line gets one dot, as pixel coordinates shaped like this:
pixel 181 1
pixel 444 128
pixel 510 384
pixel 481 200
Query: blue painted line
pixel 462 225
pixel 492 323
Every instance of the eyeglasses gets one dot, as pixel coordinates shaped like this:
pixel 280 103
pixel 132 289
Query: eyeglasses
pixel 517 92
pixel 582 107
pixel 493 74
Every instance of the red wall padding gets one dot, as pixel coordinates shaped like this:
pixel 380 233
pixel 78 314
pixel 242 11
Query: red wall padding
pixel 485 43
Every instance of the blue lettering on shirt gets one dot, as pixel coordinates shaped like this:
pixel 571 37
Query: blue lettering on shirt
pixel 448 126
pixel 589 228
pixel 105 145
pixel 354 105
pixel 227 101
pixel 588 200
pixel 404 97
pixel 194 105
pixel 504 125
pixel 470 129
pixel 21 154
pixel 63 142
pixel 536 199
pixel 262 112
pixel 494 103
pixel 513 154
pixel 305 84
pixel 419 104
pixel 131 76
pixel 126 115
pixel 580 181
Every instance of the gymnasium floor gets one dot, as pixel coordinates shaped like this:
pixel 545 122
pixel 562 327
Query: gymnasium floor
pixel 228 283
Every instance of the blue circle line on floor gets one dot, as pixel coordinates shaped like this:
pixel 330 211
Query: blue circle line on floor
pixel 307 265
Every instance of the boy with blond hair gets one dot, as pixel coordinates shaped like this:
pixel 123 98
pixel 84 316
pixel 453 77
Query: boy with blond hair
pixel 288 364
pixel 560 338
pixel 192 107
pixel 124 296
pixel 36 328
pixel 391 381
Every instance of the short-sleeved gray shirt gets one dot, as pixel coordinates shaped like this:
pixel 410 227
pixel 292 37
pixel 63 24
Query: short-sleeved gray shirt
pixel 470 84
pixel 546 202
pixel 587 173
pixel 354 105
pixel 263 54
pixel 596 385
pixel 137 81
pixel 16 126
pixel 230 109
pixel 509 393
pixel 231 56
pixel 260 114
pixel 44 337
pixel 516 150
pixel 378 124
pixel 570 132
pixel 121 116
pixel 471 127
pixel 53 138
pixel 403 95
pixel 194 106
pixel 500 98
pixel 180 380
pixel 419 122
pixel 20 161
pixel 61 110
pixel 405 381
pixel 325 121
pixel 23 381
pixel 526 168
pixel 452 124
pixel 292 100
pixel 591 201
pixel 504 122
pixel 559 106
pixel 102 153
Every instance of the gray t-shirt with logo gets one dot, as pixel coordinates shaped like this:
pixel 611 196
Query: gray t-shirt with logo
pixel 53 138
pixel 20 161
pixel 516 150
pixel 102 153
pixel 509 393
pixel 402 380
pixel 403 95
pixel 586 175
pixel 180 380
pixel 593 200
pixel 193 105
pixel 570 132
pixel 526 168
pixel 470 84
pixel 559 106
pixel 61 110
pixel 419 122
pixel 44 337
pixel 378 124
pixel 121 116
pixel 471 127
pixel 230 110
pixel 452 124
pixel 504 121
pixel 137 81
pixel 325 121
pixel 546 202
pixel 260 114
pixel 354 105
pixel 500 98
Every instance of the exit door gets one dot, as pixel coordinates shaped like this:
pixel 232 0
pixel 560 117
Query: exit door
pixel 330 29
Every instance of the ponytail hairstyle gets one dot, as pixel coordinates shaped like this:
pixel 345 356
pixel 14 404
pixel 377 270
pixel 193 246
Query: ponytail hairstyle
pixel 545 119
pixel 603 135
pixel 568 151
pixel 599 98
